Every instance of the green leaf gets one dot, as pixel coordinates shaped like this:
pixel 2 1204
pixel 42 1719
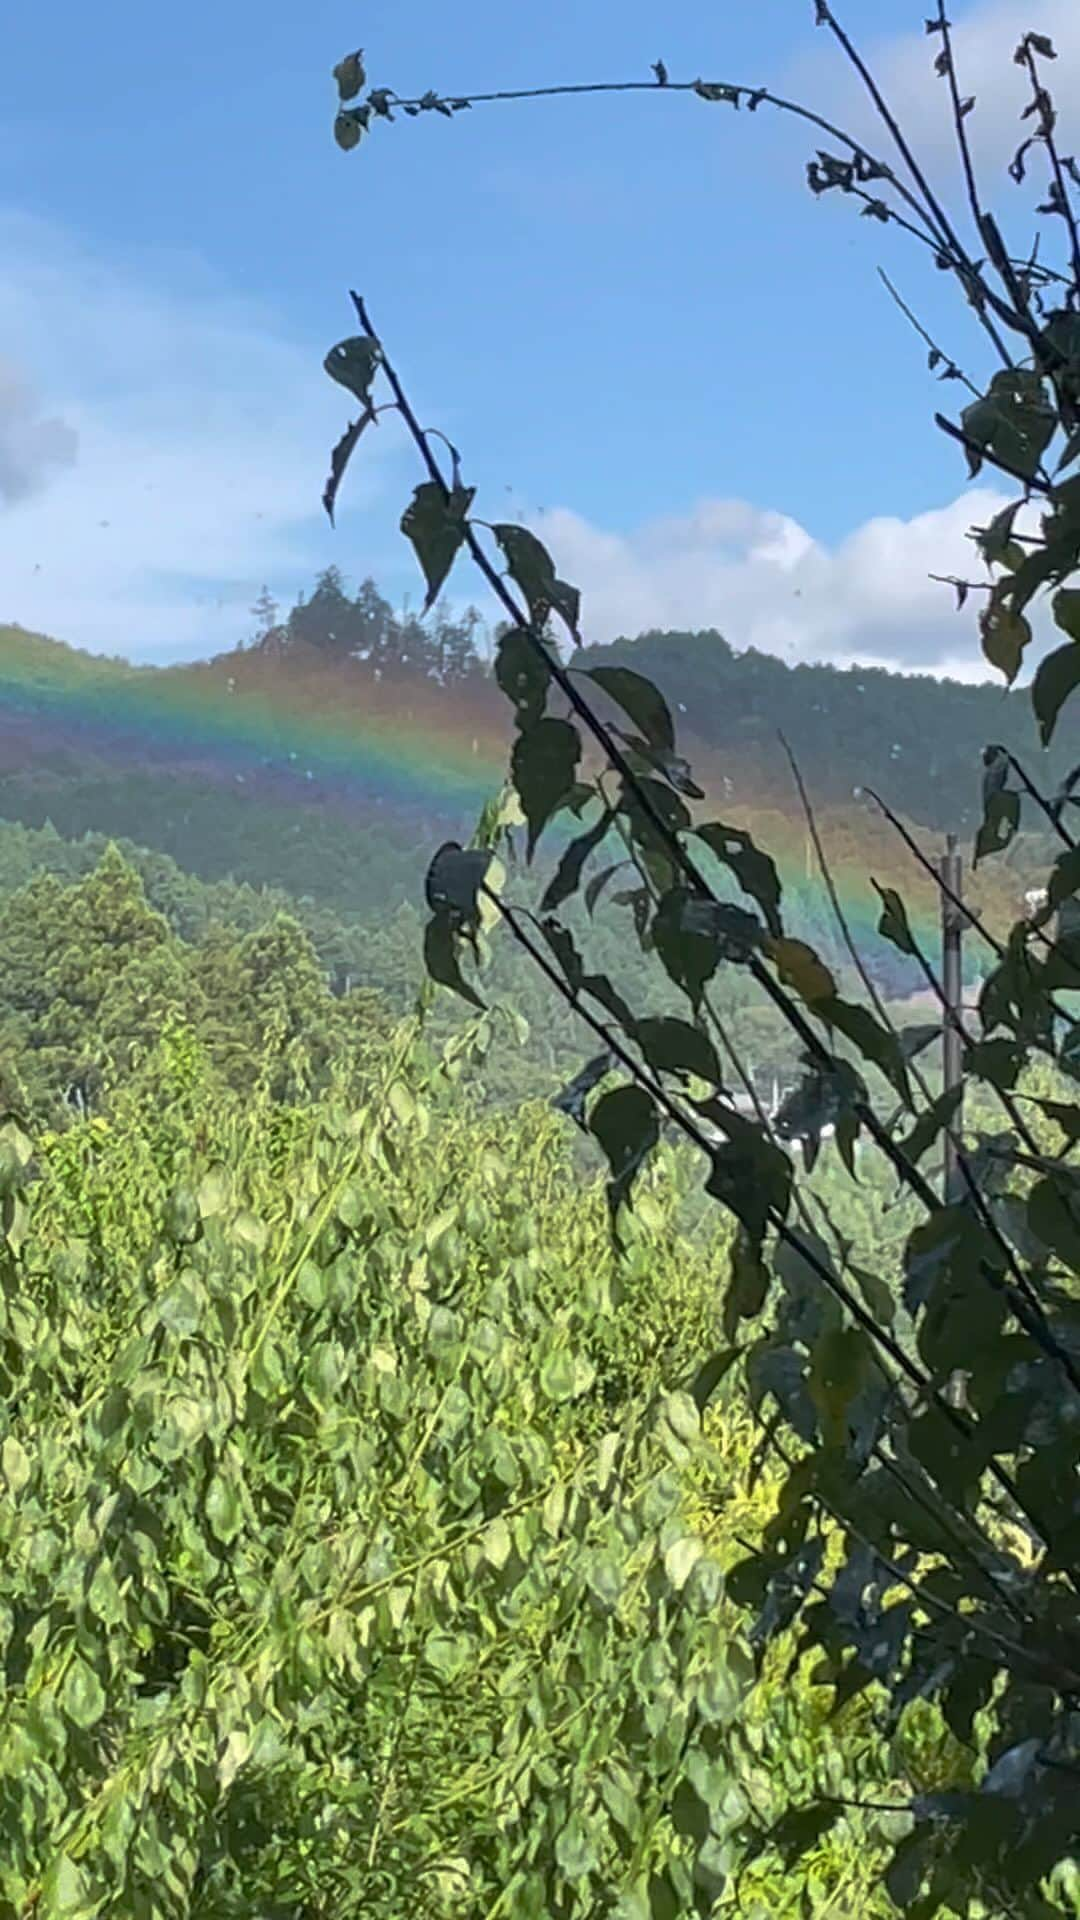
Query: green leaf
pixel 893 924
pixel 532 568
pixel 799 967
pixel 800 1829
pixel 15 1465
pixel 639 699
pixel 441 959
pixel 214 1190
pixel 558 1375
pixel 1014 422
pixel 689 1814
pixel 843 1365
pixel 748 1284
pixel 65 1888
pixel 575 1851
pixel 340 456
pixel 523 674
pixel 710 1374
pixel 755 871
pixel 625 1123
pixel 1005 635
pixel 350 76
pixel 453 881
pixel 350 124
pixel 874 1041
pixel 544 766
pixel 354 363
pixel 567 875
pixel 436 526
pixel 83 1696
pixel 1065 607
pixel 223 1508
pixel 689 957
pixel 748 1172
pixel 1000 823
pixel 599 881
pixel 674 1046
pixel 1057 675
pixel 929 1125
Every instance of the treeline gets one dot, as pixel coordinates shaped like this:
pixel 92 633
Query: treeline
pixel 333 625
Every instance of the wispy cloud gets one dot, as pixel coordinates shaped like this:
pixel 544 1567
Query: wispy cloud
pixel 162 450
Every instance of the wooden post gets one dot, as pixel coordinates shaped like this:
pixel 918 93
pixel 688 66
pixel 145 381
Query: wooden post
pixel 952 983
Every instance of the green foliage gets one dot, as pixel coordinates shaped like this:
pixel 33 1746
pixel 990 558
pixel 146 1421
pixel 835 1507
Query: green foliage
pixel 360 1532
pixel 925 1542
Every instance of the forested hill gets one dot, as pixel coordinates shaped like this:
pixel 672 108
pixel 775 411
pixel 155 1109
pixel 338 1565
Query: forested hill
pixel 915 739
pixel 325 753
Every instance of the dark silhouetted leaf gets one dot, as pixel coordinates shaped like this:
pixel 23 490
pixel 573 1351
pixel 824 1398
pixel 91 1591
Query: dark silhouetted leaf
pixel 690 958
pixel 600 880
pixel 799 967
pixel 532 568
pixel 1013 423
pixel 544 768
pixel 1000 821
pixel 800 1829
pixel 893 924
pixel 1057 675
pixel 436 527
pixel 710 1374
pixel 453 882
pixel 339 460
pixel 354 363
pixel 754 870
pixel 748 1173
pixel 523 674
pixel 1005 634
pixel 748 1285
pixel 349 74
pixel 567 874
pixel 928 1126
pixel 640 701
pixel 625 1123
pixel 1065 607
pixel 441 959
pixel 572 1098
pixel 349 127
pixel 673 1046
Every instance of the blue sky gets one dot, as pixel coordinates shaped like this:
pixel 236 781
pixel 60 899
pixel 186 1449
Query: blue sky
pixel 646 336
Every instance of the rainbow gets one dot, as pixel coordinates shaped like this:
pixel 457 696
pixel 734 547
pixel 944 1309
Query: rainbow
pixel 410 753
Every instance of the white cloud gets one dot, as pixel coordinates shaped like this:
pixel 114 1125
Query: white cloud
pixel 162 451
pixel 984 37
pixel 762 581
pixel 32 447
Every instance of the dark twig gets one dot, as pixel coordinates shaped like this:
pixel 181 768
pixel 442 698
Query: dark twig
pixel 1046 134
pixel 950 365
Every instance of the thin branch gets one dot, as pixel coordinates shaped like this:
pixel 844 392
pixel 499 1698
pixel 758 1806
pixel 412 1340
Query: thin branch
pixel 967 271
pixel 959 118
pixel 923 335
pixel 1046 130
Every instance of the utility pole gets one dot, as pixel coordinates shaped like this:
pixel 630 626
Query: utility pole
pixel 952 985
